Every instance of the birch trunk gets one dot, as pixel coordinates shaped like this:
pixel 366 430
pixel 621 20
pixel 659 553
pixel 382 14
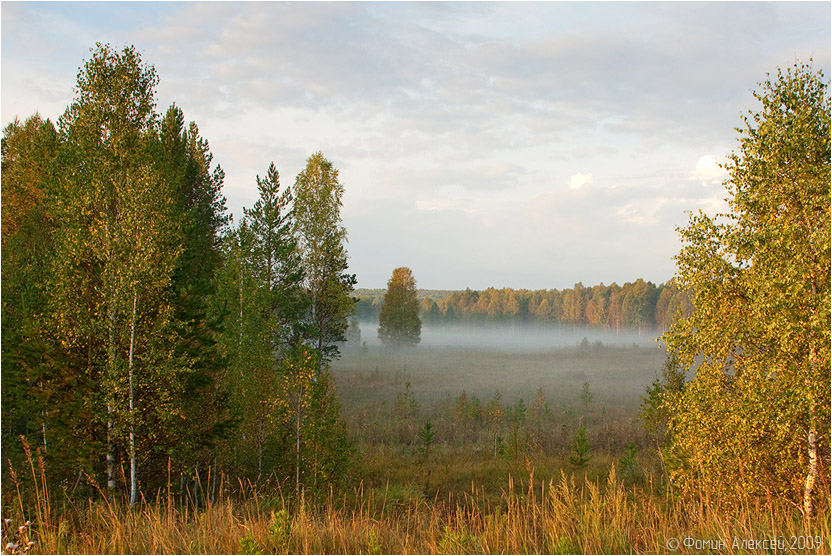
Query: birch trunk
pixel 111 356
pixel 133 470
pixel 812 474
pixel 812 438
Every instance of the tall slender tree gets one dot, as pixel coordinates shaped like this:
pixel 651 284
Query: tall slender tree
pixel 115 249
pixel 322 244
pixel 263 293
pixel 275 264
pixel 184 162
pixel 276 261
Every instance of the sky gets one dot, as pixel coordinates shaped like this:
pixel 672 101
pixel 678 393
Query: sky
pixel 524 145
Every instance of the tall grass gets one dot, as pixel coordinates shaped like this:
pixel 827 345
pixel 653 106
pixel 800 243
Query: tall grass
pixel 558 516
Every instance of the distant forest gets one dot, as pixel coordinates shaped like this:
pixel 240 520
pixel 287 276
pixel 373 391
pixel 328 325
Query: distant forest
pixel 638 305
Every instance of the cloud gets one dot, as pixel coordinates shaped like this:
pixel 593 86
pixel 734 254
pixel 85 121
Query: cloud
pixel 708 171
pixel 642 212
pixel 580 180
pixel 455 126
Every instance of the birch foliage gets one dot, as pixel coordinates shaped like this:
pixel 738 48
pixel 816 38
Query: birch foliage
pixel 322 242
pixel 114 246
pixel 758 338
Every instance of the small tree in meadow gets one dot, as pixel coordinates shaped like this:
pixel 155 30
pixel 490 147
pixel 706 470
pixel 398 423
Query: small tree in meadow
pixel 426 435
pixel 495 413
pixel 581 450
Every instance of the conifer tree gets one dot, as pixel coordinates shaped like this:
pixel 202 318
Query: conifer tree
pixel 183 160
pixel 276 262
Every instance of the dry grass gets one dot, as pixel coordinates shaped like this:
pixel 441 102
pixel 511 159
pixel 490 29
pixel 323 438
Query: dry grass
pixel 556 517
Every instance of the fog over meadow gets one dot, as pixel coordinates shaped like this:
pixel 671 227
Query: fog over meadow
pixel 515 336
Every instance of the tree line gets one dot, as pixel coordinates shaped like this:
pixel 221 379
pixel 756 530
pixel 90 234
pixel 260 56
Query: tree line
pixel 638 305
pixel 147 338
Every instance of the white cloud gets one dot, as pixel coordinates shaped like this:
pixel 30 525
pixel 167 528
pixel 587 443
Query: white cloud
pixel 708 171
pixel 438 204
pixel 642 212
pixel 580 180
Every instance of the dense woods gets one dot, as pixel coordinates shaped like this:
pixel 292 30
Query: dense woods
pixel 638 305
pixel 143 335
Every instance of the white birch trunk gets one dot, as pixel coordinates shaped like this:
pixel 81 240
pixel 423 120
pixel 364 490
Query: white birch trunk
pixel 133 471
pixel 111 356
pixel 812 438
pixel 812 474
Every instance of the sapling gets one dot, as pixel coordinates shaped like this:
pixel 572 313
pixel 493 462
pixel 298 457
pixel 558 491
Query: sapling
pixel 581 450
pixel 586 395
pixel 426 436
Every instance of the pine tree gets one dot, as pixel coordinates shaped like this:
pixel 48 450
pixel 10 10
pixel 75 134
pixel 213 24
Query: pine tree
pixel 260 288
pixel 276 261
pixel 275 266
pixel 581 451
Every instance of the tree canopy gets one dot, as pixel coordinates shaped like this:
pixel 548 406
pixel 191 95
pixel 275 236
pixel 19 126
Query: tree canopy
pixel 399 323
pixel 755 417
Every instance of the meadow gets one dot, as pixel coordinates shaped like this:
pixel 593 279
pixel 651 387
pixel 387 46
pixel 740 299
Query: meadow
pixel 494 476
pixel 527 404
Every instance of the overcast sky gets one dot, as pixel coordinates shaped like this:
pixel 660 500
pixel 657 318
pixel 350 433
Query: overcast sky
pixel 529 145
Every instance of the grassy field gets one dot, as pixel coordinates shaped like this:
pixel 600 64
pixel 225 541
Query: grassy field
pixel 495 478
pixel 617 376
pixel 388 396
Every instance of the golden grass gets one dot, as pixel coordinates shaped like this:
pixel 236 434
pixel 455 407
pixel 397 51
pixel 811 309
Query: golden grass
pixel 552 517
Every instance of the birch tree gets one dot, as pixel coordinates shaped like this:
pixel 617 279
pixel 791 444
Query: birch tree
pixel 322 244
pixel 755 418
pixel 399 323
pixel 115 249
